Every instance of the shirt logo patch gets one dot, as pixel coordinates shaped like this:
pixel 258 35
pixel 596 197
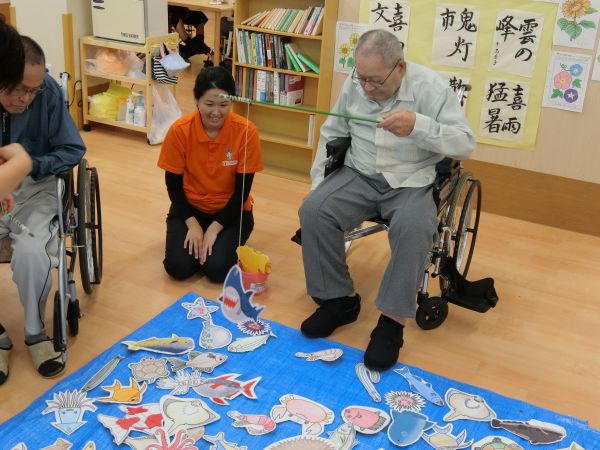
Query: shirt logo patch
pixel 229 162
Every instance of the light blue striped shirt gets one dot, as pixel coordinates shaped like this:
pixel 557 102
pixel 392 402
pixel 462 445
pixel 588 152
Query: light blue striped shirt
pixel 440 130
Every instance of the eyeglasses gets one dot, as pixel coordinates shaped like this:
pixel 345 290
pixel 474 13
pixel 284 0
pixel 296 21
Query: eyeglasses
pixel 376 84
pixel 21 91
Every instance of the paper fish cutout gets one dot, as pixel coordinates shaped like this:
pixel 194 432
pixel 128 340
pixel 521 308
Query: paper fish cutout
pixel 404 401
pixel 328 355
pixel 198 362
pixel 420 386
pixel 173 345
pixel 19 446
pixel 253 261
pixel 102 374
pixel 311 415
pixel 59 444
pixel 236 302
pixel 442 438
pixel 179 441
pixel 199 308
pixel 248 344
pixel 219 443
pixel 185 412
pixel 131 394
pixel 467 406
pixel 302 442
pixel 226 387
pixel 68 408
pixel 90 445
pixel 496 443
pixel 407 427
pixel 368 377
pixel 181 384
pixel 366 420
pixel 574 445
pixel 214 336
pixel 149 369
pixel 255 424
pixel 534 431
pixel 343 437
pixel 143 418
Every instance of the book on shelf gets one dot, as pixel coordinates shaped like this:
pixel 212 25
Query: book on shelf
pixel 291 58
pixel 313 20
pixel 294 88
pixel 309 62
pixel 302 22
pixel 318 28
pixel 311 130
pixel 293 48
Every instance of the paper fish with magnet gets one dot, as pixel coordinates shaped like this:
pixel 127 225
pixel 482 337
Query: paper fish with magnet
pixel 442 438
pixel 173 345
pixel 198 362
pixel 534 431
pixel 185 413
pixel 199 308
pixel 236 302
pixel 131 394
pixel 420 386
pixel 467 406
pixel 143 418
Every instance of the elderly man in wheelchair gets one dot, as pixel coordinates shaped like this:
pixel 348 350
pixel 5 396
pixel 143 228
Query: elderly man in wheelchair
pixel 388 171
pixel 34 115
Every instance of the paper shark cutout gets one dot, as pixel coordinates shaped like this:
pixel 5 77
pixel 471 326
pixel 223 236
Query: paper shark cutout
pixel 236 302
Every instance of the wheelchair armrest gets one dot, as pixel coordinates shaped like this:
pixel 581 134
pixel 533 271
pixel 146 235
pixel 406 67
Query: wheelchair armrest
pixel 336 153
pixel 65 174
pixel 446 170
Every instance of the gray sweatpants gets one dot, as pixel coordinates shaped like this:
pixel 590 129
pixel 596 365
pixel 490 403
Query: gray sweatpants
pixel 343 201
pixel 33 257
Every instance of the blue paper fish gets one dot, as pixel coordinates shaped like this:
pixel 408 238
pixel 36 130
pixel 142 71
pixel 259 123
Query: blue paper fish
pixel 420 386
pixel 407 427
pixel 236 302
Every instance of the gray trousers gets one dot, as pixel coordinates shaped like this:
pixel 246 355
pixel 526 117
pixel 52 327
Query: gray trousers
pixel 343 201
pixel 33 257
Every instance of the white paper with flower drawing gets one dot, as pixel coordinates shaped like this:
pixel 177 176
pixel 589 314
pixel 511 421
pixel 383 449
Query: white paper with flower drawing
pixel 596 72
pixel 504 110
pixel 455 35
pixel 566 81
pixel 577 23
pixel 346 37
pixel 391 15
pixel 516 42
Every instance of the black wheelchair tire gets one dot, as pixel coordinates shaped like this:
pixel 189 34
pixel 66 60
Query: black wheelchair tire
pixel 467 228
pixel 82 225
pixel 96 223
pixel 428 322
pixel 58 338
pixel 73 315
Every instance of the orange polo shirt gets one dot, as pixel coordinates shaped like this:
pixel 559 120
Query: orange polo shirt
pixel 209 167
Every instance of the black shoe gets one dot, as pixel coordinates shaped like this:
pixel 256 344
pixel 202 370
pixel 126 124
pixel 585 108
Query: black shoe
pixel 330 315
pixel 384 347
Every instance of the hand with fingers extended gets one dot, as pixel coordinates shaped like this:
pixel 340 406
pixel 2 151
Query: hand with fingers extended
pixel 399 122
pixel 210 236
pixel 194 237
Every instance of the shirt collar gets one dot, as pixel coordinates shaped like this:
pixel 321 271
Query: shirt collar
pixel 201 132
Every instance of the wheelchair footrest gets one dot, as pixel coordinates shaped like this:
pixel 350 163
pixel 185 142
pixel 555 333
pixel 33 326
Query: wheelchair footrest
pixel 477 295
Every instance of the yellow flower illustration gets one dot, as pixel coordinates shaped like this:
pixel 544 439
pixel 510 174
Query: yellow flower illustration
pixel 575 8
pixel 354 39
pixel 345 51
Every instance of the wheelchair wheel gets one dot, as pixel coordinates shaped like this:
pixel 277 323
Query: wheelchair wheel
pixel 89 226
pixel 430 320
pixel 463 220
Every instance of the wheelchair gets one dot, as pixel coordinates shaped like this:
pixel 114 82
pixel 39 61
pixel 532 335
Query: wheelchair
pixel 79 219
pixel 457 194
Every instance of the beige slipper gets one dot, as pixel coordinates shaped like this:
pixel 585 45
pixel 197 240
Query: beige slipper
pixel 48 362
pixel 4 353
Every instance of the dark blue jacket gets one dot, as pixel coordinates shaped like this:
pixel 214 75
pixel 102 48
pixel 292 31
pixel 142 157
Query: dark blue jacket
pixel 47 132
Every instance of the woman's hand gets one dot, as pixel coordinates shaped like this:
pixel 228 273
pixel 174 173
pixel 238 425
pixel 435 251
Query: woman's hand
pixel 194 237
pixel 210 237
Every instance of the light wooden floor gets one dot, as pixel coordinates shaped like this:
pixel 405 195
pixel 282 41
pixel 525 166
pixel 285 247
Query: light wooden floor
pixel 541 344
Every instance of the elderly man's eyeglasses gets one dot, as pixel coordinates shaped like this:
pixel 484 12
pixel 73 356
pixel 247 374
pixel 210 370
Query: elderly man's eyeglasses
pixel 375 83
pixel 21 91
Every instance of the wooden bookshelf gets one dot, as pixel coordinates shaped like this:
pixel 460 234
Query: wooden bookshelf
pixel 288 148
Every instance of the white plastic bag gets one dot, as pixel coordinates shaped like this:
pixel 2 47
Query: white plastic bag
pixel 172 61
pixel 165 111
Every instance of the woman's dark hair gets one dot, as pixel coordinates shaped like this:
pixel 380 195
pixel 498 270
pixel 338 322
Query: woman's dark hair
pixel 214 78
pixel 12 56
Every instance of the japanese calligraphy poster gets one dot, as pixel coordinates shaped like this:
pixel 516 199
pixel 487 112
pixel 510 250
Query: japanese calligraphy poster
pixel 567 81
pixel 391 15
pixel 455 35
pixel 596 72
pixel 346 38
pixel 577 23
pixel 457 81
pixel 504 110
pixel 516 42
